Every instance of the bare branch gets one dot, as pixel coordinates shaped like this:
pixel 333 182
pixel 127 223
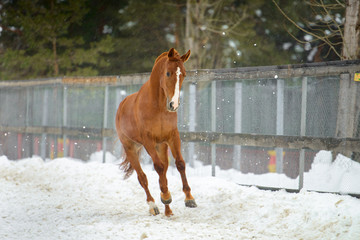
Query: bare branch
pixel 336 24
pixel 321 35
pixel 337 5
pixel 294 23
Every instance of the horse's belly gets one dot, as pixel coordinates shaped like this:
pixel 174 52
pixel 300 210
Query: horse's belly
pixel 126 123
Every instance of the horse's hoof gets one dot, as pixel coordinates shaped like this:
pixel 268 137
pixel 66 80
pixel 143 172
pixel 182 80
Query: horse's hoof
pixel 190 203
pixel 154 211
pixel 166 202
pixel 165 198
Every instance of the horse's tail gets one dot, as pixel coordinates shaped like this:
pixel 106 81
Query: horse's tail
pixel 127 168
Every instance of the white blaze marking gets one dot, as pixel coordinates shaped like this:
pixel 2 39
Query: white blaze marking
pixel 175 98
pixel 152 207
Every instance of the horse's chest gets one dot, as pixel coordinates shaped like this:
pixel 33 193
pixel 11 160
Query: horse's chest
pixel 160 127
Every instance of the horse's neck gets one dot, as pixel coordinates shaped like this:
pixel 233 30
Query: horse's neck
pixel 156 92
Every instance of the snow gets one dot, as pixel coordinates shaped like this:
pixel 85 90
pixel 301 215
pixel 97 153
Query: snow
pixel 312 53
pixel 69 199
pixel 342 175
pixel 286 45
pixel 308 37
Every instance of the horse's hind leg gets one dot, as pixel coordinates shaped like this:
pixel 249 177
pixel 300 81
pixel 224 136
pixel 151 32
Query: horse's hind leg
pixel 132 151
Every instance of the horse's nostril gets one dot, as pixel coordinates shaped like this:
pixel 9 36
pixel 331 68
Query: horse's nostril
pixel 171 105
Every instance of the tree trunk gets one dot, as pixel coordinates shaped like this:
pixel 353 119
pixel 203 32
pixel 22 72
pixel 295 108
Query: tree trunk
pixel 350 48
pixel 54 44
pixel 348 108
pixel 192 34
pixel 56 65
pixel 189 40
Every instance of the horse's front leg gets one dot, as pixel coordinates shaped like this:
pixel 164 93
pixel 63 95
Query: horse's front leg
pixel 175 146
pixel 159 156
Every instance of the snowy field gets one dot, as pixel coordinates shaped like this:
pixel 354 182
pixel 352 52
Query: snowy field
pixel 68 199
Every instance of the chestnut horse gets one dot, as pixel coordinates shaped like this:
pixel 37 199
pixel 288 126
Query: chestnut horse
pixel 148 119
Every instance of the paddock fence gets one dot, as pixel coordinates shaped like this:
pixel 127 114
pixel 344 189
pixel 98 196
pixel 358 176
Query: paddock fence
pixel 254 120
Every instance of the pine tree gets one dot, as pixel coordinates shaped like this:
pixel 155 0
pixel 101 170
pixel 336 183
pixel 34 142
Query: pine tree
pixel 45 48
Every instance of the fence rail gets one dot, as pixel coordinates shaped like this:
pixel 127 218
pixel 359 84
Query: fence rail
pixel 253 140
pixel 204 75
pixel 69 131
pixel 274 141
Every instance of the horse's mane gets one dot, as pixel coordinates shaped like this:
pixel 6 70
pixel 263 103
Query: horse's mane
pixel 161 56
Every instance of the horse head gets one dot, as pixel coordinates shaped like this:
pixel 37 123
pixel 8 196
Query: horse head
pixel 174 74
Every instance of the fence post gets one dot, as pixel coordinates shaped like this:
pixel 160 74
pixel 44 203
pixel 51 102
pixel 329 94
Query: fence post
pixel 302 131
pixel 213 126
pixel 27 106
pixel 280 87
pixel 105 120
pixel 29 137
pixel 238 124
pixel 65 95
pixel 44 123
pixel 346 114
pixel 192 121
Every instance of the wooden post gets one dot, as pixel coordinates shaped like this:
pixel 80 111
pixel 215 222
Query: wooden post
pixel 346 116
pixel 346 125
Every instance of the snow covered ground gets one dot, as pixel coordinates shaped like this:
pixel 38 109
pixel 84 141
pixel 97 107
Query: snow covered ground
pixel 341 175
pixel 68 199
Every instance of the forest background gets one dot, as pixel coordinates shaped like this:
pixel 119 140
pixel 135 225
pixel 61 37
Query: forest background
pixel 49 38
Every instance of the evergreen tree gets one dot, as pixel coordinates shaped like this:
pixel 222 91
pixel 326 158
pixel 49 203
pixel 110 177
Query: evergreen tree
pixel 146 29
pixel 44 47
pixel 47 38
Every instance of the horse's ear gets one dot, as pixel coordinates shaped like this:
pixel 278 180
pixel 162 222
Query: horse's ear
pixel 171 53
pixel 186 56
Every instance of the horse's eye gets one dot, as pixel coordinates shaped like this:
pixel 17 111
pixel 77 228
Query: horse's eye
pixel 168 74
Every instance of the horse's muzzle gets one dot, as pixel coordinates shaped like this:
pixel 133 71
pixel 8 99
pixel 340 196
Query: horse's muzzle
pixel 170 106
